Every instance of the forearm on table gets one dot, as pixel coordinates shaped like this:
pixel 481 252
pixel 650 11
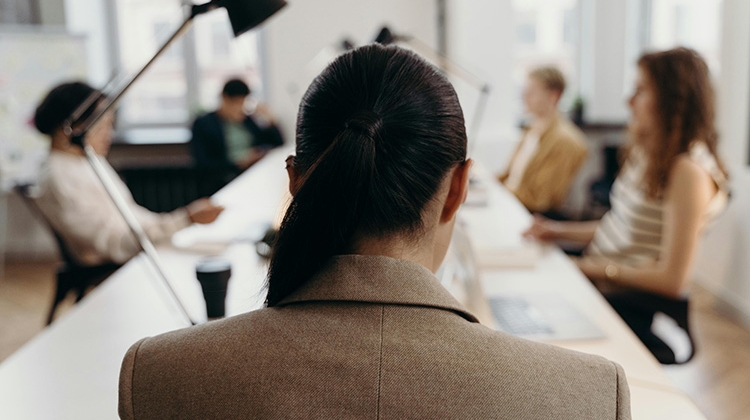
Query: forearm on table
pixel 118 243
pixel 161 226
pixel 658 278
pixel 580 232
pixel 114 241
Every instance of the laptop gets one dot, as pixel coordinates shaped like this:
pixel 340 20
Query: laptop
pixel 536 316
pixel 542 317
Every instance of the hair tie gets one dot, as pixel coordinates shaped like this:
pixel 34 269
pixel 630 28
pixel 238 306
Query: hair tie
pixel 365 121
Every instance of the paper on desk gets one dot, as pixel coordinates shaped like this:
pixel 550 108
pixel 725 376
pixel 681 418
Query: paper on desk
pixel 498 244
pixel 496 228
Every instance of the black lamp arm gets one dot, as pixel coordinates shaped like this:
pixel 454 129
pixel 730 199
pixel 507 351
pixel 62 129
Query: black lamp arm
pixel 244 18
pixel 77 133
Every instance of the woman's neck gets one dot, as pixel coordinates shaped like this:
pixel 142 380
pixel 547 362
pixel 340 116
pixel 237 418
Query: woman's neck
pixel 396 247
pixel 63 145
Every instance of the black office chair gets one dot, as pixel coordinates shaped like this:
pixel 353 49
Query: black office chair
pixel 598 199
pixel 637 309
pixel 71 276
pixel 163 189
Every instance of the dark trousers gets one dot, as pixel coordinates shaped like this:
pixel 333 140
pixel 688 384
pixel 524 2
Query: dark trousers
pixel 637 309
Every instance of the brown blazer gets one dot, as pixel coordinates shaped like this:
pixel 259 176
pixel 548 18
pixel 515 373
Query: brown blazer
pixel 548 175
pixel 369 337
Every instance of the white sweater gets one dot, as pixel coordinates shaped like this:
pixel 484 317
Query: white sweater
pixel 77 206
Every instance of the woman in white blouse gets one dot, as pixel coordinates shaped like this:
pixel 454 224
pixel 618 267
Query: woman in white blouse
pixel 672 184
pixel 73 199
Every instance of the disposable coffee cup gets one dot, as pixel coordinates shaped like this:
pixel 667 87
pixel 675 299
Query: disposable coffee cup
pixel 213 275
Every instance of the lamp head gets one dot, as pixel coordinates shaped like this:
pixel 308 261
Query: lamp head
pixel 385 36
pixel 247 14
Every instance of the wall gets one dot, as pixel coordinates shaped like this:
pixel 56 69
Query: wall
pixel 27 238
pixel 97 44
pixel 723 265
pixel 298 37
pixel 52 12
pixel 480 39
pixel 34 60
pixel 21 235
pixel 603 64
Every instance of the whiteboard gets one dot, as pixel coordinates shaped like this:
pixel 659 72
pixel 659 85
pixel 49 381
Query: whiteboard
pixel 33 62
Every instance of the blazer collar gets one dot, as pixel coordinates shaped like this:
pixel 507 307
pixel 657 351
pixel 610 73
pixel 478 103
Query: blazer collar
pixel 377 279
pixel 550 127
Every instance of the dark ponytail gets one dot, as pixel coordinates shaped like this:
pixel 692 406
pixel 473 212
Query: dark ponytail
pixel 377 132
pixel 60 103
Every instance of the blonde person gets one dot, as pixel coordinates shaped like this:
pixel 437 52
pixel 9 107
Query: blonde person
pixel 74 201
pixel 672 184
pixel 356 324
pixel 551 149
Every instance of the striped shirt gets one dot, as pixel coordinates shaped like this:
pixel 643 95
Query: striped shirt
pixel 631 232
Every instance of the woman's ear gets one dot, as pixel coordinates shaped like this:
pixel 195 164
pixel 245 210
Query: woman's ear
pixel 294 178
pixel 459 188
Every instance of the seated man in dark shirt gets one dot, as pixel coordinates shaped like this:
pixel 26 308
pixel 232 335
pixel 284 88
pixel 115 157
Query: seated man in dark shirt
pixel 230 141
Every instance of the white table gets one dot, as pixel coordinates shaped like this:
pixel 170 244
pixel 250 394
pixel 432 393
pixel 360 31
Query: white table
pixel 70 370
pixel 500 224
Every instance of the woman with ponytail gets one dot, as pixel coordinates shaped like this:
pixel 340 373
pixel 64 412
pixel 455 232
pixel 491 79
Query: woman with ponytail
pixel 356 324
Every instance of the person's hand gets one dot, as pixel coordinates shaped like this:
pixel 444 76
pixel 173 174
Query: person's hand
pixel 262 112
pixel 253 156
pixel 589 266
pixel 595 269
pixel 542 229
pixel 203 211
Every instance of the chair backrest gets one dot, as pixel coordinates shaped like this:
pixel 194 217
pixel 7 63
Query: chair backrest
pixel 611 162
pixel 163 189
pixel 25 191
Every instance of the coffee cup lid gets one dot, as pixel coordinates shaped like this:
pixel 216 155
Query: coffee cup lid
pixel 213 265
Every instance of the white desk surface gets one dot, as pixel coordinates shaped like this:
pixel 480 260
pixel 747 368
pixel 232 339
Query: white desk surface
pixel 71 369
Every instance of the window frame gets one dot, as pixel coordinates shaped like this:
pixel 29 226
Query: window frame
pixel 125 130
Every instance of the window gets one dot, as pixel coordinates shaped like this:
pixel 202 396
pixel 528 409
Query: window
pixel 688 23
pixel 160 96
pixel 219 57
pixel 546 33
pixel 570 26
pixel 184 81
pixel 526 28
pixel 220 37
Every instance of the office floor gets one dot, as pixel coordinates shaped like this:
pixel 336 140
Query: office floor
pixel 717 379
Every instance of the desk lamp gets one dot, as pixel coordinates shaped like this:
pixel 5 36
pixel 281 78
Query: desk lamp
pixel 243 15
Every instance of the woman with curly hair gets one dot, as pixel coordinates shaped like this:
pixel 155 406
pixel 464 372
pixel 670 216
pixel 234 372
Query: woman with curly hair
pixel 672 184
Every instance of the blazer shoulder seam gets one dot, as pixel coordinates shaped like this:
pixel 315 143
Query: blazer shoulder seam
pixel 617 390
pixel 132 374
pixel 380 361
